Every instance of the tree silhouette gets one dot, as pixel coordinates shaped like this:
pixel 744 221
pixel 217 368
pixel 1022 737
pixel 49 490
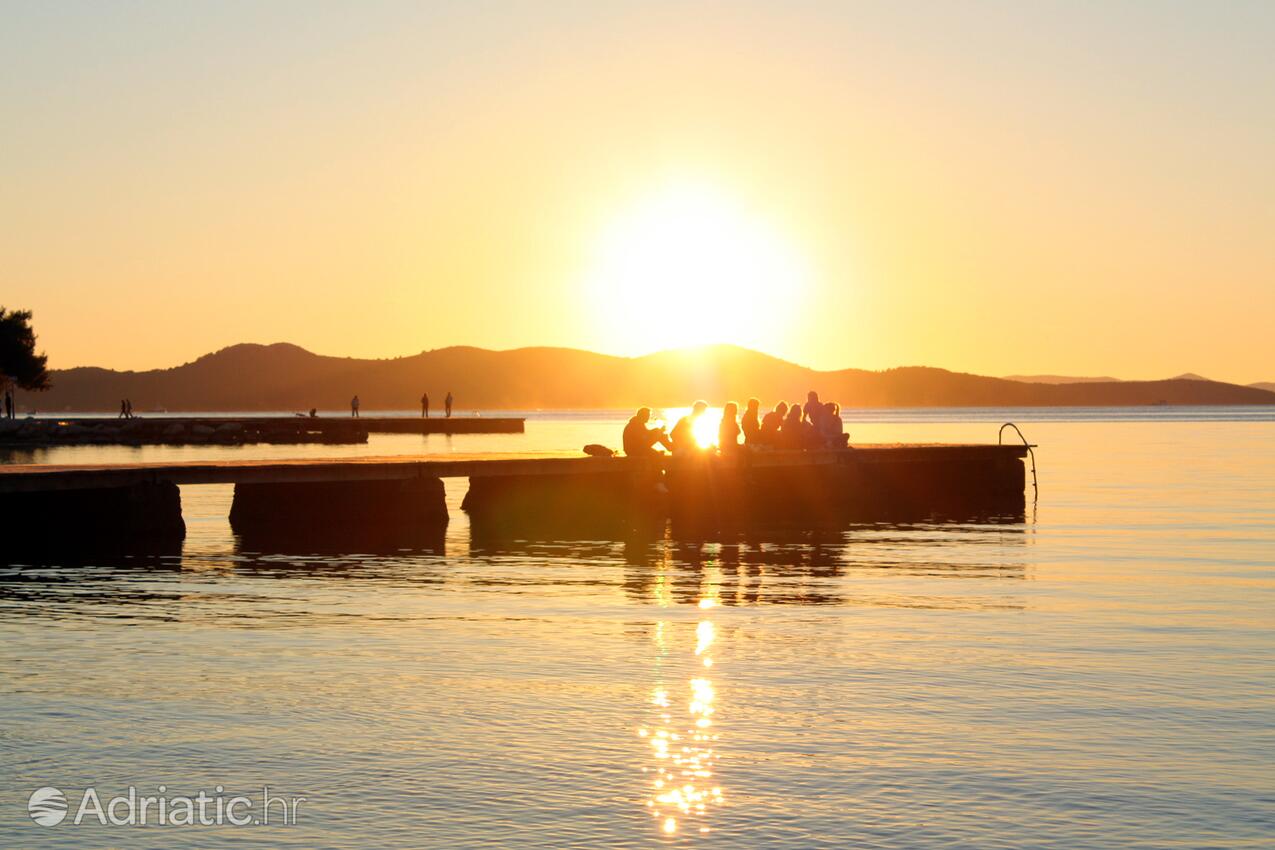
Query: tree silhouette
pixel 19 362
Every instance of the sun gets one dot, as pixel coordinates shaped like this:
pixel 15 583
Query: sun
pixel 689 265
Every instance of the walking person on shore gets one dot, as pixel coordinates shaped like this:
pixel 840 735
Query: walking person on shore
pixel 424 405
pixel 123 409
pixel 354 407
pixel 128 408
pixel 447 404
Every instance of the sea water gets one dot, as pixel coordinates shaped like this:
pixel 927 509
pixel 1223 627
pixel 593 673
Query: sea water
pixel 1101 674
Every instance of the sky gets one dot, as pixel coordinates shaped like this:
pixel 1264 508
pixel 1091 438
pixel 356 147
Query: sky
pixel 1075 188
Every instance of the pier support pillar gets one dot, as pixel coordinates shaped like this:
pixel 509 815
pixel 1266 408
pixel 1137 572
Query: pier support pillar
pixel 607 503
pixel 947 489
pixel 106 518
pixel 329 512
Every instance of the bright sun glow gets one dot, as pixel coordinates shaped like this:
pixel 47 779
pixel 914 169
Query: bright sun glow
pixel 705 428
pixel 688 266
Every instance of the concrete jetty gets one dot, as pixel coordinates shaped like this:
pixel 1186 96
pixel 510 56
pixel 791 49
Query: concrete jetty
pixel 234 431
pixel 517 492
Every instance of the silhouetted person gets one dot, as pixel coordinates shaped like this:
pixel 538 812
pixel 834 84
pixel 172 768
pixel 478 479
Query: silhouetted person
pixel 424 405
pixel 771 424
pixel 794 433
pixel 447 404
pixel 314 413
pixel 728 430
pixel 639 440
pixel 128 408
pixel 813 410
pixel 833 430
pixel 750 424
pixel 8 404
pixel 682 437
pixel 354 407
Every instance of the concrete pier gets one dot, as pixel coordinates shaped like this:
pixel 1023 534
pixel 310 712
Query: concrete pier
pixel 605 503
pixel 370 510
pixel 871 485
pixel 519 493
pixel 96 518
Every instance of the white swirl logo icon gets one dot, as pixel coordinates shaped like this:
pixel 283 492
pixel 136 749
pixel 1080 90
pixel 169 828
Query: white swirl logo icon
pixel 47 806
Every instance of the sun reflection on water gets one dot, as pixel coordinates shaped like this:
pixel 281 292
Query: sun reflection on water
pixel 682 742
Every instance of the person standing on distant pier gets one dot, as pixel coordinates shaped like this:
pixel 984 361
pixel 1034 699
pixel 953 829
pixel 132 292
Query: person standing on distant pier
pixel 8 403
pixel 447 404
pixel 128 408
pixel 123 409
pixel 424 405
pixel 354 407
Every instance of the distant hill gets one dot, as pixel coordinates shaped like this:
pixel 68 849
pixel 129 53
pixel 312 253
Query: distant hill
pixel 1189 376
pixel 1058 379
pixel 286 377
pixel 1269 386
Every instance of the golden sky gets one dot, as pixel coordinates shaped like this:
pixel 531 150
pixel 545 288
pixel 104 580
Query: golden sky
pixel 989 187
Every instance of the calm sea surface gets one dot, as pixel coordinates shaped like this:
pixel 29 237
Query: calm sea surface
pixel 1101 675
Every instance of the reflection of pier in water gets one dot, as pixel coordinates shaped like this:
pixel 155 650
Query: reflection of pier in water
pixel 860 566
pixel 822 568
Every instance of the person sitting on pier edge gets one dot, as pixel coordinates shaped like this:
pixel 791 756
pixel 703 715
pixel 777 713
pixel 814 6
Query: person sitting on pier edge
pixel 796 431
pixel 728 431
pixel 682 438
pixel 639 440
pixel 770 424
pixel 424 405
pixel 814 421
pixel 833 429
pixel 750 424
pixel 447 405
pixel 813 411
pixel 354 407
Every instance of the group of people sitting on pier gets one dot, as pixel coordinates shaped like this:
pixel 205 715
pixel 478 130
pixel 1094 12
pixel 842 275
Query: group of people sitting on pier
pixel 814 425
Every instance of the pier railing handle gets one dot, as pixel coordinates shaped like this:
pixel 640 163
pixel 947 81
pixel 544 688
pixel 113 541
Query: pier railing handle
pixel 1000 441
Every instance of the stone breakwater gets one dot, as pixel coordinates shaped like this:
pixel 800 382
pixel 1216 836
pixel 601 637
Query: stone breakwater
pixel 164 431
pixel 236 430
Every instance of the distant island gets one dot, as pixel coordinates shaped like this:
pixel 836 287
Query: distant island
pixel 286 377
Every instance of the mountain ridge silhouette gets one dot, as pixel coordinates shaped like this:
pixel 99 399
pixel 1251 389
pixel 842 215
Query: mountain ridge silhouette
pixel 283 376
